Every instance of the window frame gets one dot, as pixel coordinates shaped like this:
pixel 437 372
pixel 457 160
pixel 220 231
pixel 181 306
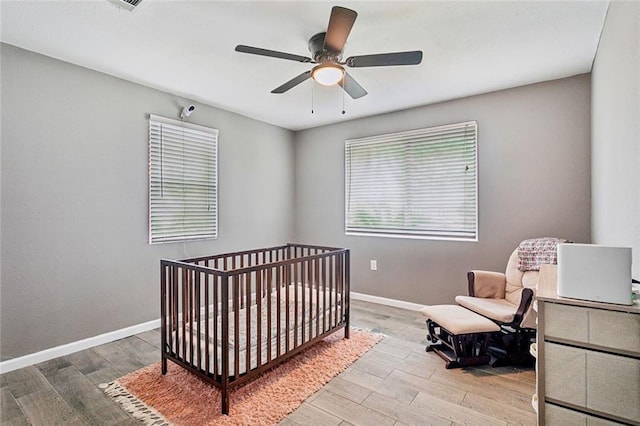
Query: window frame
pixel 195 134
pixel 470 235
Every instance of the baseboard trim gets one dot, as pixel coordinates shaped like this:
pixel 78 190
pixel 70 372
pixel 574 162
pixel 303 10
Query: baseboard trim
pixel 384 301
pixel 80 345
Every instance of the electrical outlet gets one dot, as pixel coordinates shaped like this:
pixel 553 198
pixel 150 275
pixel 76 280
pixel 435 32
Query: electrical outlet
pixel 374 265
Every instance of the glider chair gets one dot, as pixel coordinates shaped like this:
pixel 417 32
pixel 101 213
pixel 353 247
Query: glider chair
pixel 506 298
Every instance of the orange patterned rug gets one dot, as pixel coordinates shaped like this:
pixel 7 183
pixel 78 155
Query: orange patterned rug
pixel 180 398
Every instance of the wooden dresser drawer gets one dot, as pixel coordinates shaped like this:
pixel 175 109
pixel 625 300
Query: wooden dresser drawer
pixel 613 385
pixel 566 322
pixel 565 374
pixel 555 415
pixel 608 329
pixel 594 380
pixel 617 330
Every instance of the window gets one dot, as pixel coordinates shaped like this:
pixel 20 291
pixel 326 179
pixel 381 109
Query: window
pixel 415 184
pixel 183 181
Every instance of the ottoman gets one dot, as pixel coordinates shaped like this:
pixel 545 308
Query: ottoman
pixel 458 335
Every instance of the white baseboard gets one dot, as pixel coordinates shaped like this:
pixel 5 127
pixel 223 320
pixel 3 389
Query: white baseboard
pixel 384 301
pixel 80 345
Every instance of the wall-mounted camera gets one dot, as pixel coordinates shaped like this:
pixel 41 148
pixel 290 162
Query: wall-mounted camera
pixel 186 111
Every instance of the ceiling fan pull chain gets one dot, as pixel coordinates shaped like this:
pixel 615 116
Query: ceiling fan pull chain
pixel 343 111
pixel 312 90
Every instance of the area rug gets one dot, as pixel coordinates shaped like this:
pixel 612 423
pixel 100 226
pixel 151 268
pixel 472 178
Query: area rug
pixel 181 398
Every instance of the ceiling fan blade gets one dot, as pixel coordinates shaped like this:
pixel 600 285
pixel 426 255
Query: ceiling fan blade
pixel 340 24
pixel 352 87
pixel 293 82
pixel 385 59
pixel 271 53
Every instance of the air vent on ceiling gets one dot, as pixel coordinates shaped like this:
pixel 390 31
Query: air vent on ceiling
pixel 126 4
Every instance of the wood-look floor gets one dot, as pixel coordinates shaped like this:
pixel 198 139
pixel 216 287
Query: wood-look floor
pixel 395 383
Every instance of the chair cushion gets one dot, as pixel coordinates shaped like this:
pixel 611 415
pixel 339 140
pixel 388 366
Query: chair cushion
pixel 458 320
pixel 517 280
pixel 500 310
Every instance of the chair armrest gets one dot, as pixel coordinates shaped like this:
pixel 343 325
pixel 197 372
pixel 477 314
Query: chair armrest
pixel 485 284
pixel 525 303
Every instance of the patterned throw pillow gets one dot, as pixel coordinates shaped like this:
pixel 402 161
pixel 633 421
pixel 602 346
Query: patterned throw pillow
pixel 537 251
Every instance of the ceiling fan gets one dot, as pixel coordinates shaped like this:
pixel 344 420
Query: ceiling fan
pixel 326 50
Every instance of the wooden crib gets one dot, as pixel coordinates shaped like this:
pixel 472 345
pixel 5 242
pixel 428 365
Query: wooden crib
pixel 227 318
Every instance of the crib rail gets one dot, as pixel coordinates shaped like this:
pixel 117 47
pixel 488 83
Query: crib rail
pixel 229 317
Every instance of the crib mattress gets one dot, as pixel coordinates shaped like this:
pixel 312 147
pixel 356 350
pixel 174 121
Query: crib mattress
pixel 305 320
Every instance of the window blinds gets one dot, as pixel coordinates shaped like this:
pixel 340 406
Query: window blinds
pixel 183 181
pixel 420 183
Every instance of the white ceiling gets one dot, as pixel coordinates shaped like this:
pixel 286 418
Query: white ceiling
pixel 187 48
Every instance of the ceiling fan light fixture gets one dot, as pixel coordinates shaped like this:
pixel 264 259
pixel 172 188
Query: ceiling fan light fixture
pixel 328 73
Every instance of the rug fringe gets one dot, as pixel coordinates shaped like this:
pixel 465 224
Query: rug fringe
pixel 134 406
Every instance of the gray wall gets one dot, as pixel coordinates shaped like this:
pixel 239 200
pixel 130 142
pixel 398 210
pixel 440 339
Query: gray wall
pixel 75 257
pixel 73 197
pixel 616 131
pixel 534 180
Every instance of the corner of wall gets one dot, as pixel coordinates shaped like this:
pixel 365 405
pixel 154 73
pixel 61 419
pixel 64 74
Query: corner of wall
pixel 615 131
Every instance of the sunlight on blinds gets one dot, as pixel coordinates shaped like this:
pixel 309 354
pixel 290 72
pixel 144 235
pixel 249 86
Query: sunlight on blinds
pixel 420 183
pixel 183 181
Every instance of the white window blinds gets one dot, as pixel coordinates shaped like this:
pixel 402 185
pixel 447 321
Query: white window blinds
pixel 420 183
pixel 183 181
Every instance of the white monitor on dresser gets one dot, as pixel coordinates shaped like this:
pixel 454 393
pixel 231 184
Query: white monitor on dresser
pixel 595 272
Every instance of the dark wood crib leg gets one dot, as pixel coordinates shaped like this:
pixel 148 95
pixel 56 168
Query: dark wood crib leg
pixel 164 365
pixel 346 322
pixel 225 401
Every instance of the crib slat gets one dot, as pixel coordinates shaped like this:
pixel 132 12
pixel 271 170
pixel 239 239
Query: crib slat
pixel 170 327
pixel 236 325
pixel 278 286
pixel 296 305
pixel 191 314
pixel 339 290
pixel 163 317
pixel 346 299
pixel 224 377
pixel 310 287
pixel 317 271
pixel 323 281
pixel 176 296
pixel 334 294
pixel 185 312
pixel 303 314
pixel 242 277
pixel 198 313
pixel 247 292
pixel 287 283
pixel 327 294
pixel 207 279
pixel 269 313
pixel 218 299
pixel 259 298
pixel 183 315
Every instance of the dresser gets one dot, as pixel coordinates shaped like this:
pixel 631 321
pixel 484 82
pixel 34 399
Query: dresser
pixel 588 359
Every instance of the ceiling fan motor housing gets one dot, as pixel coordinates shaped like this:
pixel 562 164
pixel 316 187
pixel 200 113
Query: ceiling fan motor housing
pixel 318 51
